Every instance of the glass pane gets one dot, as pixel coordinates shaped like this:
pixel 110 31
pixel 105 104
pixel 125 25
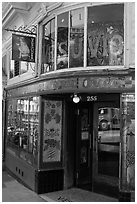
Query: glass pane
pixel 76 37
pixel 22 128
pixel 62 41
pixel 24 67
pixel 22 123
pixel 108 141
pixel 52 131
pixel 49 46
pixel 11 69
pixel 84 138
pixel 33 127
pixel 105 35
pixel 12 137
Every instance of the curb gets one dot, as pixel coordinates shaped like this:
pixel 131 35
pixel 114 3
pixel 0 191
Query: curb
pixel 46 198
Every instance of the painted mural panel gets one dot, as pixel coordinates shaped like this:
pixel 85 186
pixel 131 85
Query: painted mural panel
pixel 52 131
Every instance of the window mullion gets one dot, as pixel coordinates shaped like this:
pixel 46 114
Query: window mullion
pixel 68 39
pixel 28 125
pixel 19 68
pixel 85 37
pixel 55 48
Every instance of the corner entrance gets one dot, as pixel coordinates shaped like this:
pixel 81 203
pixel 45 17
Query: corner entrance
pixel 95 146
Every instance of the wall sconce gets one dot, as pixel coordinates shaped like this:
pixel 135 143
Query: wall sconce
pixel 76 98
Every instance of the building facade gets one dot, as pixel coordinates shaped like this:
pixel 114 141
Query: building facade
pixel 70 95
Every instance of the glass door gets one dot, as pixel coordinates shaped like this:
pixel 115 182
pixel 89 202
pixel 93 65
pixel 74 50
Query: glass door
pixel 106 147
pixel 83 146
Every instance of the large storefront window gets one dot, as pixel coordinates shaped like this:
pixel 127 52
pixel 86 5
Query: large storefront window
pixel 96 30
pixel 22 128
pixel 49 46
pixel 62 40
pixel 105 35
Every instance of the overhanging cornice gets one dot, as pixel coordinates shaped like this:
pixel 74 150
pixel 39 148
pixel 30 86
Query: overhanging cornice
pixel 11 9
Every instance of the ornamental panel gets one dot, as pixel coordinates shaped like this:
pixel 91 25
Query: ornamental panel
pixel 52 131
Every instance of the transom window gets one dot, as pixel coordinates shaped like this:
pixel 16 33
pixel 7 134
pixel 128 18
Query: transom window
pixel 99 37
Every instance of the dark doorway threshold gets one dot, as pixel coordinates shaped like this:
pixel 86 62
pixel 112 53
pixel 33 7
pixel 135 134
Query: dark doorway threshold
pixel 102 188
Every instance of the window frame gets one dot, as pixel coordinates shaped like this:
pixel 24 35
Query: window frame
pixel 85 6
pixel 113 67
pixel 42 54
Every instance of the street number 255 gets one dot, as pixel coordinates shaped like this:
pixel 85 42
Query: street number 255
pixel 91 98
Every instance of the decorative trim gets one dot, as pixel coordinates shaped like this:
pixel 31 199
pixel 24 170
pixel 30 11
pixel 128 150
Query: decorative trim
pixel 24 30
pixel 77 84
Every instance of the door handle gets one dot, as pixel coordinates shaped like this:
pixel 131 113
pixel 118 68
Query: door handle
pixel 99 139
pixel 90 141
pixel 95 142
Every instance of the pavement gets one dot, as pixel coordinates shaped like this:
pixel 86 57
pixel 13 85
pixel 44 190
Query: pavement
pixel 76 195
pixel 13 191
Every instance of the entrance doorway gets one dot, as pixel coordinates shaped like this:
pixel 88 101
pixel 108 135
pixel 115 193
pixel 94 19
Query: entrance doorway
pixel 97 147
pixel 84 144
pixel 106 144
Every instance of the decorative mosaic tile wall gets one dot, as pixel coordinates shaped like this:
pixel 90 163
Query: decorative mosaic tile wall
pixel 128 143
pixel 52 131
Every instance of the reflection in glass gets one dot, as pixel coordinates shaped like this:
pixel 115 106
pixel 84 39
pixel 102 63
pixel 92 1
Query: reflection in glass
pixel 20 67
pixel 24 67
pixel 105 35
pixel 33 124
pixel 49 46
pixel 22 128
pixel 13 140
pixel 127 170
pixel 62 41
pixel 84 144
pixel 108 141
pixel 76 37
pixel 11 75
